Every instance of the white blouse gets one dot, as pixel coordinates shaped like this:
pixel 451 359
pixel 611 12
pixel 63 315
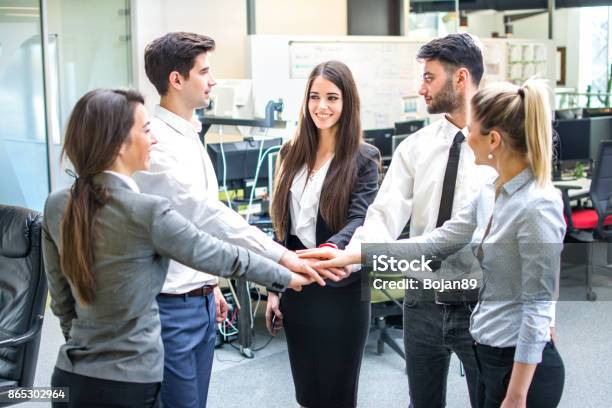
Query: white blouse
pixel 304 208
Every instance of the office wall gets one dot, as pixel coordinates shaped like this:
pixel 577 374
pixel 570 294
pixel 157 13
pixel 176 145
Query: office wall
pixel 374 18
pixel 567 33
pixel 299 17
pixel 486 22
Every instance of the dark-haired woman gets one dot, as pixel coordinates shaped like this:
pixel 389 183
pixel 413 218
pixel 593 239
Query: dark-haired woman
pixel 106 253
pixel 326 180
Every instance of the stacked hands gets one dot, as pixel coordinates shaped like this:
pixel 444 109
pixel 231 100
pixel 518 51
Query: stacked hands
pixel 308 266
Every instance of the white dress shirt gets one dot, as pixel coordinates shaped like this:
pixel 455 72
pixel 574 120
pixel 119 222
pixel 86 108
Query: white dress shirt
pixel 412 189
pixel 182 172
pixel 304 208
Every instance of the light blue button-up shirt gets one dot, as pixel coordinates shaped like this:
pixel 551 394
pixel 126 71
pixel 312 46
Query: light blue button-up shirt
pixel 519 256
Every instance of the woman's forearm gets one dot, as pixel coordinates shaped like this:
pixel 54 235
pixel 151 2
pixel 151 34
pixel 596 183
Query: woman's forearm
pixel 520 380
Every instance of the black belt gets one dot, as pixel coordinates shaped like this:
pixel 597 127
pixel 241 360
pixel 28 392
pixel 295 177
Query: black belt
pixel 203 291
pixel 450 297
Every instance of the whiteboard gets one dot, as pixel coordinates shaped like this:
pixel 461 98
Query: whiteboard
pixel 385 69
pixel 384 73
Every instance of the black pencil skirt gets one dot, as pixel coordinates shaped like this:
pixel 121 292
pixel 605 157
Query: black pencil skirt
pixel 326 329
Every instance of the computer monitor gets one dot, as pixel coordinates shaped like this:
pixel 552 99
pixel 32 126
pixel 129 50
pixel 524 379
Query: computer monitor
pixel 381 138
pixel 574 143
pixel 272 157
pixel 595 112
pixel 408 127
pixel 601 129
pixel 396 140
pixel 241 162
pixel 232 98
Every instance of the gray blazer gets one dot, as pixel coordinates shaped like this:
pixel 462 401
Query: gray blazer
pixel 117 337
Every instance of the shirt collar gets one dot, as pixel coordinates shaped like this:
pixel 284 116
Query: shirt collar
pixel 184 127
pixel 126 179
pixel 454 129
pixel 518 181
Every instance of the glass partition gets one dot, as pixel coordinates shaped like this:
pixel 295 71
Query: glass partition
pixel 23 149
pixel 90 48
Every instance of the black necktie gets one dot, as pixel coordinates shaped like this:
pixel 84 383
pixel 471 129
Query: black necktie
pixel 450 178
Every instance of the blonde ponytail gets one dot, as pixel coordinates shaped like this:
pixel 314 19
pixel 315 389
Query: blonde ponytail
pixel 538 129
pixel 523 117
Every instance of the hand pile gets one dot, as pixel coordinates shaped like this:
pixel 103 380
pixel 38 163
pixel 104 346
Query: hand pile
pixel 308 266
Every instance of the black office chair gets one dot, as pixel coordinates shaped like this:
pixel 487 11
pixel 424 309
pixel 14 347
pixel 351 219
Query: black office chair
pixel 589 225
pixel 23 296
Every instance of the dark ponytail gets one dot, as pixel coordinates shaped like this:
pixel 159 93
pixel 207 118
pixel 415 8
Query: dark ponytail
pixel 99 124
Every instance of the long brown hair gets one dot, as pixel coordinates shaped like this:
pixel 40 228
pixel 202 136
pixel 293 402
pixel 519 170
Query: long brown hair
pixel 98 126
pixel 302 150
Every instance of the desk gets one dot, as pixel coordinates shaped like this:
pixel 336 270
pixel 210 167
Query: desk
pixel 574 189
pixel 245 317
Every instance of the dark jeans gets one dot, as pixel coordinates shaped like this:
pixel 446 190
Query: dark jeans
pixel 431 333
pixel 188 332
pixel 89 392
pixel 495 366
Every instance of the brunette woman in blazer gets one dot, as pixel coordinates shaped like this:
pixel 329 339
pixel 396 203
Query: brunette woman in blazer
pixel 326 179
pixel 106 250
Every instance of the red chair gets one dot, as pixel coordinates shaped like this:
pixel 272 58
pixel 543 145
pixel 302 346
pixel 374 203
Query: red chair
pixel 590 225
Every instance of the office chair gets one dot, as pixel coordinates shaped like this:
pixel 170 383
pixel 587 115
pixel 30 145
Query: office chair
pixel 389 303
pixel 589 225
pixel 22 299
pixel 386 303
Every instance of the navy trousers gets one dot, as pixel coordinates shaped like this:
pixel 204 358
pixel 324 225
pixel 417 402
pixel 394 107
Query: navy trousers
pixel 188 332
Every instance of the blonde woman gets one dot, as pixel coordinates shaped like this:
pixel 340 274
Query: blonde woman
pixel 515 228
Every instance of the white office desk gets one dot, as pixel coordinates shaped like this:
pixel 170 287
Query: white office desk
pixel 583 185
pixel 572 190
